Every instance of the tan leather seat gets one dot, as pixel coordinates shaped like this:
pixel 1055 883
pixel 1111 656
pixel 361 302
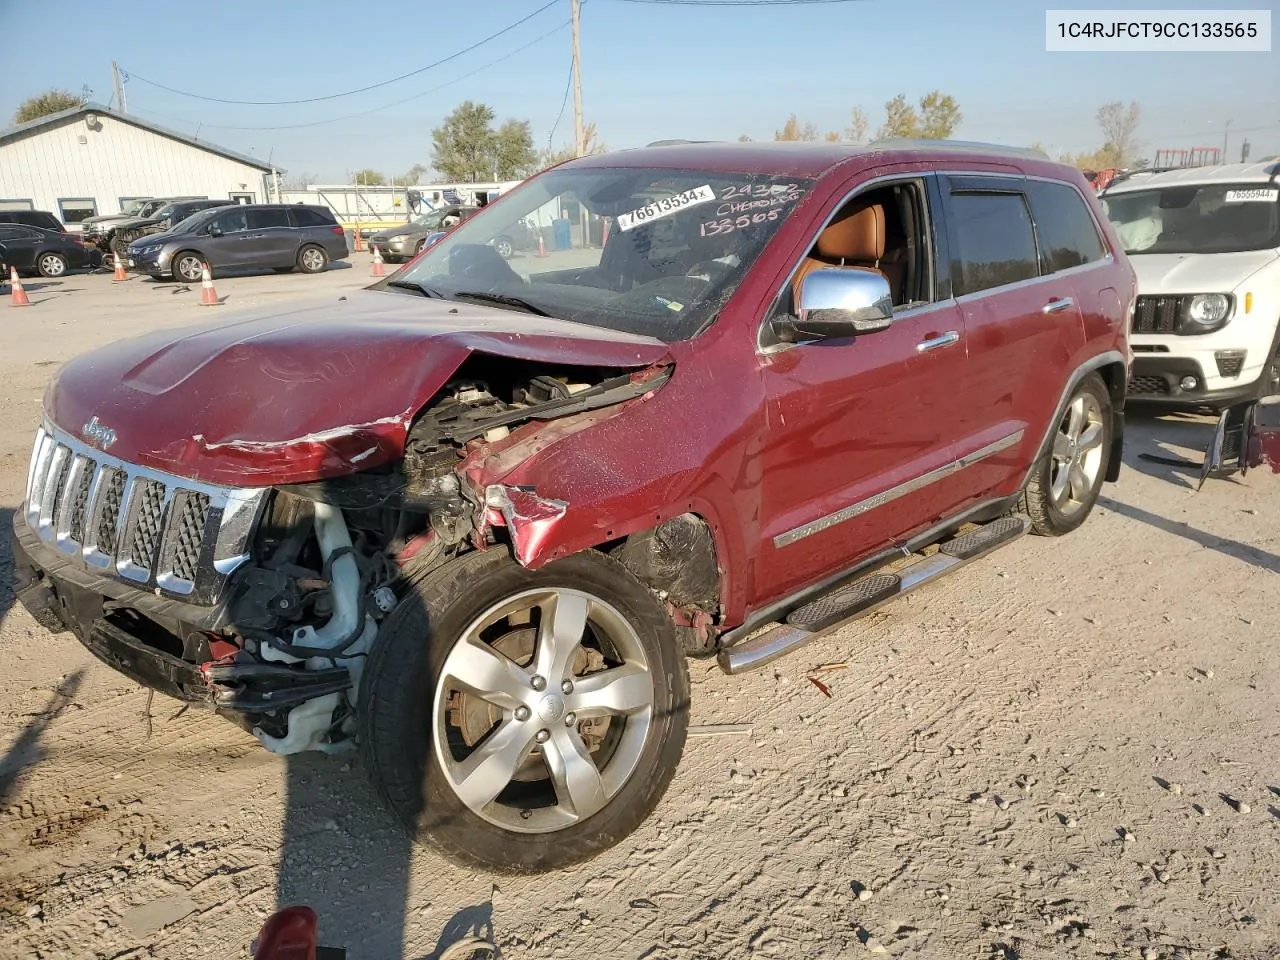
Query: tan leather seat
pixel 855 240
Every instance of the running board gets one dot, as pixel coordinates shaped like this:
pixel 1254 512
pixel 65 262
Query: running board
pixel 859 598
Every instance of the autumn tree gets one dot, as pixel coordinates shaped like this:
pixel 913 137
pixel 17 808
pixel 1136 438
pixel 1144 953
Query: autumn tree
pixel 900 119
pixel 51 101
pixel 368 177
pixel 1119 125
pixel 415 173
pixel 791 130
pixel 590 139
pixel 858 126
pixel 939 115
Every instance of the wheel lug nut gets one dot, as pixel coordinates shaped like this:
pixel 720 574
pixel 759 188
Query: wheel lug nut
pixel 538 683
pixel 570 719
pixel 566 687
pixel 522 713
pixel 542 736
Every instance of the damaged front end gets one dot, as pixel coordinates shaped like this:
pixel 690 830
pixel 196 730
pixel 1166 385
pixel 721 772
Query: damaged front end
pixel 288 585
pixel 1247 436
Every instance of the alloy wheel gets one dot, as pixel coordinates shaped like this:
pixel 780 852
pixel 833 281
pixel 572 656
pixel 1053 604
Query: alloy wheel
pixel 1077 454
pixel 191 268
pixel 312 259
pixel 52 265
pixel 542 710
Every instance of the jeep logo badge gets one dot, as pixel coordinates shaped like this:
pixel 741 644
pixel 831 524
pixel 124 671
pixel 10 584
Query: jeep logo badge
pixel 99 433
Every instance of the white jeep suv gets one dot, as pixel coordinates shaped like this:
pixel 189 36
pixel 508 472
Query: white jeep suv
pixel 1205 243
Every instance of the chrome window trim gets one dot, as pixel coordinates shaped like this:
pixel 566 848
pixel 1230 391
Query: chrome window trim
pixel 894 493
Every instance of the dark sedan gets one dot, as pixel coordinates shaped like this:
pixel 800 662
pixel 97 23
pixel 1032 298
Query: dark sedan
pixel 32 250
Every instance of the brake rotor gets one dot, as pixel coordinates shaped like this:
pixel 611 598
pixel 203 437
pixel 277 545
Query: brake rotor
pixel 474 717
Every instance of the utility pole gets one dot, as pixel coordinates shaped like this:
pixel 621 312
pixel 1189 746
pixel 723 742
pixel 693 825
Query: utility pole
pixel 580 148
pixel 115 74
pixel 1226 132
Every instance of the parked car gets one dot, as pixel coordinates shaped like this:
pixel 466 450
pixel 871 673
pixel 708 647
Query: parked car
pixel 33 218
pixel 242 236
pixel 114 234
pixel 33 250
pixel 473 518
pixel 407 240
pixel 140 207
pixel 160 221
pixel 1206 246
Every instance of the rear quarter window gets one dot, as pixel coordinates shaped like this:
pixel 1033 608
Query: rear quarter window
pixel 1068 235
pixel 995 244
pixel 268 217
pixel 306 217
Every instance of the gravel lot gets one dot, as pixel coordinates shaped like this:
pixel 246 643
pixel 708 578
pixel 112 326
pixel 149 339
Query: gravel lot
pixel 1069 749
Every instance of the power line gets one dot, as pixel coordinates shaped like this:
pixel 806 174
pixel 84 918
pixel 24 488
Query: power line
pixel 563 103
pixel 738 3
pixel 347 93
pixel 396 103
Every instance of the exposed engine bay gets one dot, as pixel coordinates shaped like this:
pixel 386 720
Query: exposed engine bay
pixel 332 559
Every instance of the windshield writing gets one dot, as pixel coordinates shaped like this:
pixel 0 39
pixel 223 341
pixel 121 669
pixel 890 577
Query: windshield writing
pixel 650 251
pixel 1221 218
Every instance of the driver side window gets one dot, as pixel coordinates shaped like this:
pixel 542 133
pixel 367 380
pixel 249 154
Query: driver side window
pixel 886 229
pixel 233 221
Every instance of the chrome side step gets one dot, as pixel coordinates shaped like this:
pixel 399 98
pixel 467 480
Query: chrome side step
pixel 859 598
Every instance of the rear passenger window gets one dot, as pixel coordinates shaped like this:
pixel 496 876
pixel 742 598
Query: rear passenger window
pixel 1068 235
pixel 995 244
pixel 270 217
pixel 306 217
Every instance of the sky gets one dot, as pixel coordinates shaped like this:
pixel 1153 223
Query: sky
pixel 649 72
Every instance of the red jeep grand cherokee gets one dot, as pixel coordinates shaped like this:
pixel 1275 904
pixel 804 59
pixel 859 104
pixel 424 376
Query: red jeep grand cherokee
pixel 474 519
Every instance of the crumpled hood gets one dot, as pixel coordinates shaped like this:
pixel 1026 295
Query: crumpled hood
pixel 308 390
pixel 1196 273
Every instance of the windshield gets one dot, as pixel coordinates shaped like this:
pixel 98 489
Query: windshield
pixel 150 207
pixel 134 206
pixel 1218 218
pixel 430 220
pixel 165 211
pixel 648 251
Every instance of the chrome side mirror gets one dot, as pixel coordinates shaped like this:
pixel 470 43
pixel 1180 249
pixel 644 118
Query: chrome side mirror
pixel 839 302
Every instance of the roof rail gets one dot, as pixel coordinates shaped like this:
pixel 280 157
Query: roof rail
pixel 676 143
pixel 958 145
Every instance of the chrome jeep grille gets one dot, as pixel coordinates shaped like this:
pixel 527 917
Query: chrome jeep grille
pixel 136 524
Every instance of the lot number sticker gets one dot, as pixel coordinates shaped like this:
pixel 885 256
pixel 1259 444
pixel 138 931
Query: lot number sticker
pixel 665 207
pixel 1261 195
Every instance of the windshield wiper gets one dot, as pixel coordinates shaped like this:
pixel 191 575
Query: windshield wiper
pixel 501 300
pixel 421 288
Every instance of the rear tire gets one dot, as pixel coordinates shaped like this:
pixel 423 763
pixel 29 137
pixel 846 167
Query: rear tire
pixel 52 265
pixel 312 259
pixel 415 719
pixel 1065 482
pixel 506 249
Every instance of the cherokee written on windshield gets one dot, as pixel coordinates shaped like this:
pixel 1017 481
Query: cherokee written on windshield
pixel 664 248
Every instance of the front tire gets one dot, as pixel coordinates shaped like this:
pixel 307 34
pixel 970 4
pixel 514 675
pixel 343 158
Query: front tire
pixel 1065 482
pixel 506 249
pixel 188 267
pixel 52 265
pixel 521 721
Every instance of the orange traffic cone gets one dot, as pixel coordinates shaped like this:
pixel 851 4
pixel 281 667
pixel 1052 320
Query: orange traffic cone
pixel 378 271
pixel 542 246
pixel 120 272
pixel 359 245
pixel 19 296
pixel 208 295
pixel 604 232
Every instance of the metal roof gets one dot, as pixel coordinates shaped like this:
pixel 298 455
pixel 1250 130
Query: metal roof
pixel 1265 171
pixel 54 119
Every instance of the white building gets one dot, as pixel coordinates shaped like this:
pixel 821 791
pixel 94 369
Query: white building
pixel 90 160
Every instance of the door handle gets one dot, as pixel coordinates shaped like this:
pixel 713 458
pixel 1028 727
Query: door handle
pixel 942 340
pixel 1058 305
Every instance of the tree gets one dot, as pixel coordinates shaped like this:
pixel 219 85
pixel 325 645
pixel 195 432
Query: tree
pixel 832 136
pixel 743 138
pixel 590 140
pixel 939 115
pixel 513 155
pixel 368 178
pixel 51 101
pixel 415 173
pixel 298 181
pixel 464 144
pixel 900 119
pixel 858 125
pixel 1120 130
pixel 791 130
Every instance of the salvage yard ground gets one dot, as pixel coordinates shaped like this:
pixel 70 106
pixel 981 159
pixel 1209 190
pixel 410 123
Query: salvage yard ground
pixel 1069 749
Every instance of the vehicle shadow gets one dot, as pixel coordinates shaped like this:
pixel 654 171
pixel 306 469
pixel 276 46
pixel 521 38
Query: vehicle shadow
pixel 7 597
pixel 1231 548
pixel 27 750
pixel 1154 437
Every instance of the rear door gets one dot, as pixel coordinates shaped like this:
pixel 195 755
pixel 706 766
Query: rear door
pixel 20 246
pixel 1023 328
pixel 273 242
